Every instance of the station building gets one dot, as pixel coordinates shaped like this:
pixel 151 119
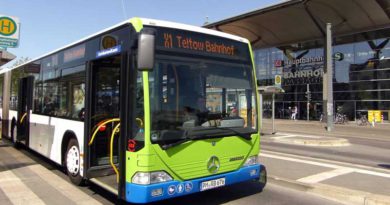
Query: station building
pixel 288 40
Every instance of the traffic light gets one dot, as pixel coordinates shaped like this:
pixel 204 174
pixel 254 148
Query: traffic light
pixel 308 95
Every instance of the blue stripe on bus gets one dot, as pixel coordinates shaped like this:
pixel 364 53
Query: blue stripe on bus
pixel 143 193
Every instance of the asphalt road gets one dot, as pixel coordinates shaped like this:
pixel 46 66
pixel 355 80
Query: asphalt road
pixel 245 193
pixel 368 152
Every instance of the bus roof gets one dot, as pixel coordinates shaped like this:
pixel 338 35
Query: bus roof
pixel 145 21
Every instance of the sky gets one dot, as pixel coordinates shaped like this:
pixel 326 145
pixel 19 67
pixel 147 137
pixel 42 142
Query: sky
pixel 47 25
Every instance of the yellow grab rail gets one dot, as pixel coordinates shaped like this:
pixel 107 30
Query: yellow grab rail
pixel 116 129
pixel 141 123
pixel 101 125
pixel 23 116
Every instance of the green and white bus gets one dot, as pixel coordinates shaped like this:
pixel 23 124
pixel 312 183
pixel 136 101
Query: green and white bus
pixel 147 109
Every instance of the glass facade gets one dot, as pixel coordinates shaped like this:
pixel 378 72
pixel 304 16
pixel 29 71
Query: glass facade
pixel 361 75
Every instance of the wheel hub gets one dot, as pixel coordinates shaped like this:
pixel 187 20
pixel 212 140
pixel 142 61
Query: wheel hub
pixel 73 160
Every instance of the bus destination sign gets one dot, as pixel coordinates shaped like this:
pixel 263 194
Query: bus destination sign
pixel 187 42
pixel 198 43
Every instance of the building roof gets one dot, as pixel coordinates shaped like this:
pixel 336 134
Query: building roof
pixel 6 57
pixel 295 21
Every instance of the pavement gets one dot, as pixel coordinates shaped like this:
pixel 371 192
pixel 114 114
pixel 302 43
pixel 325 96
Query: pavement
pixel 351 129
pixel 343 182
pixel 24 181
pixel 308 140
pixel 348 183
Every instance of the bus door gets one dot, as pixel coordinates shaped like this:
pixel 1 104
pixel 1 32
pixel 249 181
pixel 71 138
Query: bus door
pixel 25 91
pixel 103 119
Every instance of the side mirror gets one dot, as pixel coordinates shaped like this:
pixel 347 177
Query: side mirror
pixel 259 83
pixel 146 49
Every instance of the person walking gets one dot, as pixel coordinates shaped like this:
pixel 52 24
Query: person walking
pixel 294 113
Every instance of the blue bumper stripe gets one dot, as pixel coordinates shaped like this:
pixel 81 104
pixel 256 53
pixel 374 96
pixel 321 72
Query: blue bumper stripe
pixel 144 193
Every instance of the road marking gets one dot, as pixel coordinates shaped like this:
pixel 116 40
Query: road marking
pixel 323 164
pixel 325 175
pixel 300 161
pixel 16 191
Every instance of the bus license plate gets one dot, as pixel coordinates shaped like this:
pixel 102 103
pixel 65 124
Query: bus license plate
pixel 212 184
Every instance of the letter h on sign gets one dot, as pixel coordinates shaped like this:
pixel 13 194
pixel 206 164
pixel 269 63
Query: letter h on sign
pixel 4 25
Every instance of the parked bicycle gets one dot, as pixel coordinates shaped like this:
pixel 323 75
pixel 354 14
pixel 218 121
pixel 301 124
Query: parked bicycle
pixel 362 121
pixel 340 118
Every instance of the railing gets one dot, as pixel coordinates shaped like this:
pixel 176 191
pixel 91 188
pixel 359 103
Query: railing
pixel 114 131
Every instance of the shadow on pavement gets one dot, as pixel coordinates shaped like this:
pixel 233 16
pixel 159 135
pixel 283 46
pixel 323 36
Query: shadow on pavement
pixel 386 166
pixel 38 158
pixel 210 197
pixel 217 196
pixel 9 167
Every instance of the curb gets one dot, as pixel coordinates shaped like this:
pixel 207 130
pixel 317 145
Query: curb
pixel 339 194
pixel 330 134
pixel 325 141
pixel 289 183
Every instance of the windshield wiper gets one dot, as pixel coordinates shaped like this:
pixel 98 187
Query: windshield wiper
pixel 167 146
pixel 207 135
pixel 246 136
pixel 188 137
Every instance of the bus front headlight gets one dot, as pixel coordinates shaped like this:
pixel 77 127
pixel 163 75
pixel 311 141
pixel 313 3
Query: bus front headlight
pixel 145 178
pixel 252 160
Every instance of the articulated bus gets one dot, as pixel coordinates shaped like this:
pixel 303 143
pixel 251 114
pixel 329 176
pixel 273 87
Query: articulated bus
pixel 147 109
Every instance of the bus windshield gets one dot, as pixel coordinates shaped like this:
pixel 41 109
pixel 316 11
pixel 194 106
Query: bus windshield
pixel 196 98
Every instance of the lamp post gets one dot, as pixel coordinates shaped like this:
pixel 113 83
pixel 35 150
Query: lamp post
pixel 327 85
pixel 308 96
pixel 329 75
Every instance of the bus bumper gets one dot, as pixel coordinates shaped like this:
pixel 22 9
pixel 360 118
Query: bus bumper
pixel 155 192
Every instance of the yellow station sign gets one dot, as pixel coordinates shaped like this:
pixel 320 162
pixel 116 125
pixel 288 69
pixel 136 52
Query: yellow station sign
pixel 9 31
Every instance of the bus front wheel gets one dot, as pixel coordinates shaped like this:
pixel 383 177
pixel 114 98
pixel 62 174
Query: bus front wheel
pixel 72 162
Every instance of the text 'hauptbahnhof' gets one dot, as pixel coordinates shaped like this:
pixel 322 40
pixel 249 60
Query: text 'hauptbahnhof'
pixel 288 40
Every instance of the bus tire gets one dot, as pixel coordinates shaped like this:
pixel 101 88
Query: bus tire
pixel 17 145
pixel 263 177
pixel 72 162
pixel 13 126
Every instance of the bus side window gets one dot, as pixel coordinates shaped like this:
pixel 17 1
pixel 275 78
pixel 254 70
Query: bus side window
pixel 72 92
pixel 78 100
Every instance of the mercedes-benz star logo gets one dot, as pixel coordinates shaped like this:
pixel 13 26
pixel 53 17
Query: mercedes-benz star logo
pixel 213 164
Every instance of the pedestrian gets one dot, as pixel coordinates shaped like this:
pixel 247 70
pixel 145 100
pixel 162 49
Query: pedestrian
pixel 294 113
pixel 233 112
